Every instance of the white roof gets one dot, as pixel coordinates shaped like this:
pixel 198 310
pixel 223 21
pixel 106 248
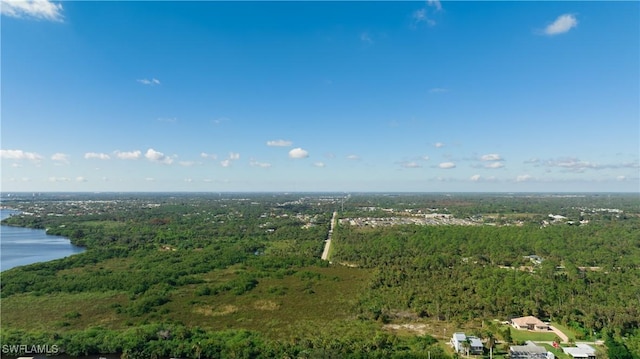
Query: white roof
pixel 475 342
pixel 459 337
pixel 580 351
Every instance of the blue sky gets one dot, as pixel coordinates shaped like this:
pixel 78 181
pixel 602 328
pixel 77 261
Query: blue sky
pixel 320 96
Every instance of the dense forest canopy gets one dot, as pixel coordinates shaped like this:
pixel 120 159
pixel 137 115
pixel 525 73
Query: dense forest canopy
pixel 240 275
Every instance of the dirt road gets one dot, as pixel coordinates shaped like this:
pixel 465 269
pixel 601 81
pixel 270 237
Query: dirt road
pixel 327 242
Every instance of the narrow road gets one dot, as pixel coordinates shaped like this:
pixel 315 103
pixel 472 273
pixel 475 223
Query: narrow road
pixel 559 333
pixel 327 242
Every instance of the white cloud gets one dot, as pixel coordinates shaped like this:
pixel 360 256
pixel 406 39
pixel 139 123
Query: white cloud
pixel 425 158
pixel 225 163
pixel 438 90
pixel 59 179
pixel 187 163
pixel 447 165
pixel 158 157
pixel 60 157
pixel 353 157
pixel 132 155
pixel 410 165
pixel 39 9
pixel 438 145
pixel 494 165
pixel 210 156
pixel 475 178
pixel 571 164
pixel 621 178
pixel 16 165
pixel 366 38
pixel 523 178
pixel 188 180
pixel 298 153
pixel 279 143
pixel 150 179
pixel 435 3
pixel 81 179
pixel 234 156
pixel 152 82
pixel 491 157
pixel 561 25
pixel 420 15
pixel 319 164
pixel 20 155
pixel 99 156
pixel 254 163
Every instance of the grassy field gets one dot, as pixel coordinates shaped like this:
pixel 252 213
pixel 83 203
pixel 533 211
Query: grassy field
pixel 305 301
pixel 524 335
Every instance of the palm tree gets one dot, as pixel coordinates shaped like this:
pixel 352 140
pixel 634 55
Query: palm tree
pixel 466 344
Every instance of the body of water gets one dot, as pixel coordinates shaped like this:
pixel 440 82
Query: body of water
pixel 22 246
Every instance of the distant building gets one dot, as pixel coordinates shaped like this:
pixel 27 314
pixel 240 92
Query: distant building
pixel 580 351
pixel 529 323
pixel 475 345
pixel 529 351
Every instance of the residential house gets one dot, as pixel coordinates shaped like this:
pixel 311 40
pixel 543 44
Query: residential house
pixel 475 345
pixel 529 323
pixel 529 351
pixel 580 351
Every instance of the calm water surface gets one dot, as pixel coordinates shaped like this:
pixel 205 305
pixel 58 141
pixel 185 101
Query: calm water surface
pixel 22 246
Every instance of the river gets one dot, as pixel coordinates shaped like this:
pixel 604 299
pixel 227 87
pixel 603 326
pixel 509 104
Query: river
pixel 22 246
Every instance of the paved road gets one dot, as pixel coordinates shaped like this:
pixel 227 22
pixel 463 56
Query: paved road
pixel 327 242
pixel 559 333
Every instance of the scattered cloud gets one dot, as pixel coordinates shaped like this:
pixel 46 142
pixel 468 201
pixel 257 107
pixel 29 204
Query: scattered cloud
pixel 491 157
pixel 150 179
pixel 425 158
pixel 20 155
pixel 168 119
pixel 298 153
pixel 37 9
pixel 524 178
pixel 353 157
pixel 81 179
pixel 366 38
pixel 438 90
pixel 319 164
pixel 533 160
pixel 132 155
pixel 279 143
pixel 60 157
pixel 158 157
pixel 494 165
pixel 187 163
pixel 475 178
pixel 410 165
pixel 254 163
pixel 219 120
pixel 210 156
pixel 188 180
pixel 234 156
pixel 225 163
pixel 59 179
pixel 562 24
pixel 422 15
pixel 572 164
pixel 95 155
pixel 435 3
pixel 447 165
pixel 152 82
pixel 438 145
pixel 621 178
